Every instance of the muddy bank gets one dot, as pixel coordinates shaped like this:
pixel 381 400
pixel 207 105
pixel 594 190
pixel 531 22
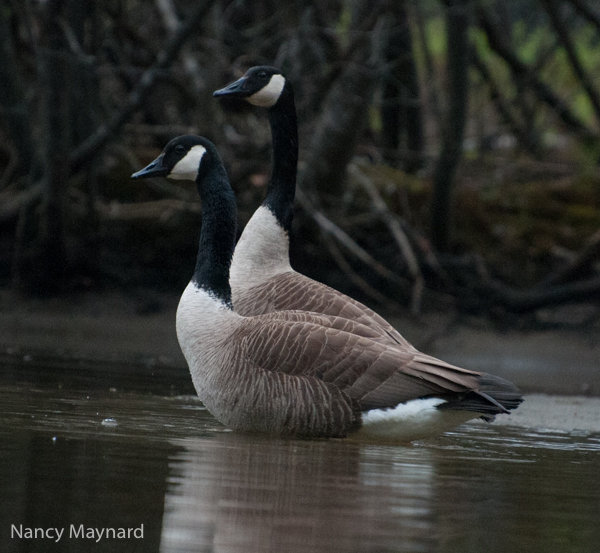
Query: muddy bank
pixel 542 361
pixel 547 412
pixel 139 327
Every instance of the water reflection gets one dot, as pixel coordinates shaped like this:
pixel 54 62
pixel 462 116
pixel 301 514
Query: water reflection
pixel 56 483
pixel 240 493
pixel 165 462
pixel 481 488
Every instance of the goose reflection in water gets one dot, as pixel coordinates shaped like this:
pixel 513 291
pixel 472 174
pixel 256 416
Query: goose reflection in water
pixel 249 494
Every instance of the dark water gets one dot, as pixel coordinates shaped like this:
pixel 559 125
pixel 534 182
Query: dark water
pixel 75 450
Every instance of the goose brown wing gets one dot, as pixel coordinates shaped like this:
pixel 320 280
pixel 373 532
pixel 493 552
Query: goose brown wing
pixel 374 374
pixel 294 291
pixel 350 326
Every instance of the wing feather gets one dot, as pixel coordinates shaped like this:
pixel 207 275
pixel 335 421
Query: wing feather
pixel 293 291
pixel 372 373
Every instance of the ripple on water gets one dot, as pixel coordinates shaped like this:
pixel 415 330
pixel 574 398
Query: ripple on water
pixel 198 487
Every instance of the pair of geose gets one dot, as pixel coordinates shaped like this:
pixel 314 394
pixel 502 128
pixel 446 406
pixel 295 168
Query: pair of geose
pixel 275 352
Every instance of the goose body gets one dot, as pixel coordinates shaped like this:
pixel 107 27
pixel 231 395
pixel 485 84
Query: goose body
pixel 296 372
pixel 262 279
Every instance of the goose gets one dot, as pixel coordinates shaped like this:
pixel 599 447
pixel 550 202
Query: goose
pixel 299 373
pixel 262 279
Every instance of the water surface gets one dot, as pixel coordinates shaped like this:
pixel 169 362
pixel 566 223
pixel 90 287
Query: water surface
pixel 119 452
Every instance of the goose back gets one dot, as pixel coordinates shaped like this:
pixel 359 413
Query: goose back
pixel 289 290
pixel 262 279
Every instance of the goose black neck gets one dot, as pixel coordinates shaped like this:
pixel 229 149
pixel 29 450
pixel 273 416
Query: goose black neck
pixel 284 132
pixel 217 237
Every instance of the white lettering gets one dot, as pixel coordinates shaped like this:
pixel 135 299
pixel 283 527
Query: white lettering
pixel 13 531
pixel 76 533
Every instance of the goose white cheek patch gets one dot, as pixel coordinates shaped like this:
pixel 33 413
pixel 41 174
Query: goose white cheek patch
pixel 187 167
pixel 268 95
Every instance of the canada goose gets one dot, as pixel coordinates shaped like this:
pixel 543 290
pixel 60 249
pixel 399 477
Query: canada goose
pixel 296 372
pixel 262 279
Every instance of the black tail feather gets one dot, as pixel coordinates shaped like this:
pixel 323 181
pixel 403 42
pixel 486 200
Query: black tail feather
pixel 494 396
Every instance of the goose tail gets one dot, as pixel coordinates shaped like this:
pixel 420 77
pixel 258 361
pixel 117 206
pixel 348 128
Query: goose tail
pixel 494 396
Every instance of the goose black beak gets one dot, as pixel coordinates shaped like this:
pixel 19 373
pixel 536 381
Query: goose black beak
pixel 237 89
pixel 155 169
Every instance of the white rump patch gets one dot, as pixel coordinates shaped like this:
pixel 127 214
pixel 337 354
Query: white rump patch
pixel 413 420
pixel 187 168
pixel 268 95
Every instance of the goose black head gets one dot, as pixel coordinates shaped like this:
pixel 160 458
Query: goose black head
pixel 180 159
pixel 261 86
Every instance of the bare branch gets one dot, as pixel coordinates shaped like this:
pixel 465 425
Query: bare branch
pixel 11 206
pixel 582 262
pixel 329 227
pixel 360 282
pixel 82 154
pixel 173 25
pixel 586 12
pixel 158 209
pixel 73 43
pixel 522 71
pixel 561 30
pixel 162 131
pixel 526 137
pixel 519 301
pixel 397 233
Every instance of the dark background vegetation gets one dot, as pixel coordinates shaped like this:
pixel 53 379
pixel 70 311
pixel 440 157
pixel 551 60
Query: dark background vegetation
pixel 449 148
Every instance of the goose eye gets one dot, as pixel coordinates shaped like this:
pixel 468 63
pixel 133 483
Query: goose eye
pixel 263 74
pixel 179 149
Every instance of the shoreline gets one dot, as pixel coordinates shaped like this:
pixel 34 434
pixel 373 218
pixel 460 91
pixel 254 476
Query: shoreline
pixel 113 327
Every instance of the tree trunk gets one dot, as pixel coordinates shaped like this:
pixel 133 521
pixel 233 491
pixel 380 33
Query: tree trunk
pixel 401 108
pixel 344 112
pixel 48 269
pixel 457 27
pixel 85 114
pixel 12 99
pixel 85 109
pixel 432 87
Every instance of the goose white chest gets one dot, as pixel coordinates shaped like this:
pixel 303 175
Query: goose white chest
pixel 204 325
pixel 261 252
